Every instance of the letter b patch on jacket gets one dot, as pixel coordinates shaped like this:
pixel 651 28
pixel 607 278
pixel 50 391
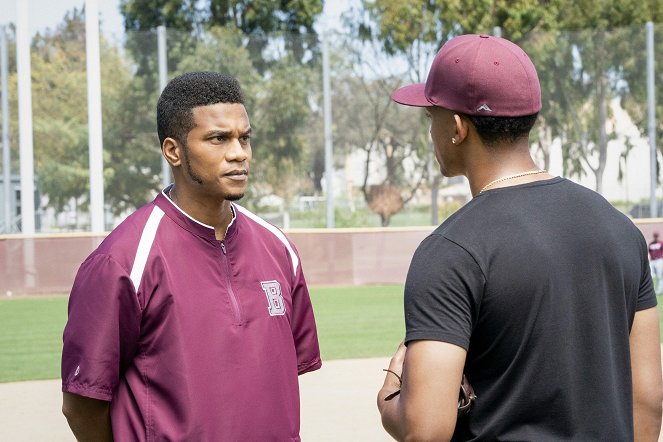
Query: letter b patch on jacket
pixel 273 291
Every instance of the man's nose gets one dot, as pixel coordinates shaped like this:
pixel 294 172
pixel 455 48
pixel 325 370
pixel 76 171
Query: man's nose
pixel 236 151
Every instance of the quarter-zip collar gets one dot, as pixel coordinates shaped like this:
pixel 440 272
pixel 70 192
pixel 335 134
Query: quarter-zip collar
pixel 190 224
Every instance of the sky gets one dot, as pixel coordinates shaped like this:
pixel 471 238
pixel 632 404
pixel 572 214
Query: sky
pixel 43 14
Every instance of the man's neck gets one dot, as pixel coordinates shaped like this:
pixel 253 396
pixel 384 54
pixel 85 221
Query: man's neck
pixel 502 166
pixel 213 213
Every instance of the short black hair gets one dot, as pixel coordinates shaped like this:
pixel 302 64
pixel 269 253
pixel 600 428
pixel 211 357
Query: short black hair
pixel 190 90
pixel 495 130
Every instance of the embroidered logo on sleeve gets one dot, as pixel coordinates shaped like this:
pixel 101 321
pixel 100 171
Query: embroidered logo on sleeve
pixel 272 290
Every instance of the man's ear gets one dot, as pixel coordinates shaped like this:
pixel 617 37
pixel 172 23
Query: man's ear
pixel 172 151
pixel 462 128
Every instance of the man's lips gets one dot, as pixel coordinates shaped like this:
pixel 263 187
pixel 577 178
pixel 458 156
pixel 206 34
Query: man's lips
pixel 240 174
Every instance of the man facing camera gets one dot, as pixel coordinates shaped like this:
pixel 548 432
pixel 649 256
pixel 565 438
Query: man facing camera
pixel 192 319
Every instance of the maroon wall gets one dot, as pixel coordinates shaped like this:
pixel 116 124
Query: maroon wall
pixel 42 264
pixel 357 257
pixel 48 264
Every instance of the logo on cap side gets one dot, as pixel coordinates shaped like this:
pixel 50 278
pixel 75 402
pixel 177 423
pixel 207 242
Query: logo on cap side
pixel 484 107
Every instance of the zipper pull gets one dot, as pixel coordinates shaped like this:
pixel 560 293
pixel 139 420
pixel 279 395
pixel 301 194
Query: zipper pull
pixel 223 247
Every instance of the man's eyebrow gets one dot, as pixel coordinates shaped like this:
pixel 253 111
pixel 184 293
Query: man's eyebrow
pixel 225 132
pixel 217 132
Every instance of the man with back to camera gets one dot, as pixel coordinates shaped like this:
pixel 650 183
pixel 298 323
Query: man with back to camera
pixel 192 320
pixel 537 289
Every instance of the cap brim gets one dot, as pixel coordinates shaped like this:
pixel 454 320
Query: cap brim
pixel 411 95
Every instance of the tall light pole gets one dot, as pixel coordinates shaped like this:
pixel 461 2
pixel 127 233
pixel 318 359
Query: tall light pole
pixel 6 158
pixel 329 150
pixel 651 121
pixel 95 135
pixel 26 149
pixel 163 80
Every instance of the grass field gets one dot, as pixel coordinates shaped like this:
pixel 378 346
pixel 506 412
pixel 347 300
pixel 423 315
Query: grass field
pixel 359 322
pixel 31 337
pixel 353 322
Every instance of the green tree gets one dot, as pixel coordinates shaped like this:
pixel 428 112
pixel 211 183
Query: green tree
pixel 391 139
pixel 634 97
pixel 60 123
pixel 281 116
pixel 132 156
pixel 258 20
pixel 602 51
pixel 60 111
pixel 13 113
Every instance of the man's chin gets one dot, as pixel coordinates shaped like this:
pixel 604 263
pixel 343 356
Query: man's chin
pixel 234 197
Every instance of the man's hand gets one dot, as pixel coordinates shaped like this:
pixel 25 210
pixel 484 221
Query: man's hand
pixel 427 407
pixel 393 378
pixel 89 419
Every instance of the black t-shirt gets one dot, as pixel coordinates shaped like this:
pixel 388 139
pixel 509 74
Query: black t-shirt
pixel 540 283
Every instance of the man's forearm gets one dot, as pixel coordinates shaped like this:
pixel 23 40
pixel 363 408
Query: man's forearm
pixel 89 419
pixel 390 412
pixel 646 375
pixel 91 429
pixel 646 422
pixel 390 409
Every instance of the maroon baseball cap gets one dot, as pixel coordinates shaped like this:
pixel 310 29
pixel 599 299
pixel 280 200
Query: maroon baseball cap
pixel 478 75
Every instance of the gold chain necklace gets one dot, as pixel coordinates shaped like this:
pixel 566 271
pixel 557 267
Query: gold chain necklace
pixel 510 177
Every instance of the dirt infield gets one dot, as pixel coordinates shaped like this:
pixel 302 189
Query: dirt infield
pixel 338 403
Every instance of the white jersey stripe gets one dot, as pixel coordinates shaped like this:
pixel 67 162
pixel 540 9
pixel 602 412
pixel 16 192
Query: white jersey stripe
pixel 276 232
pixel 144 246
